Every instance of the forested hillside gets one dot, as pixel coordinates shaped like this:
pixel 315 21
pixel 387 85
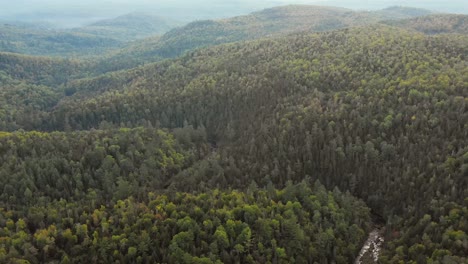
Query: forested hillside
pixel 113 164
pixel 435 24
pixel 378 111
pixel 129 27
pixel 293 225
pixel 401 12
pixel 283 149
pixel 31 86
pixel 40 70
pixel 37 41
pixel 273 21
pixel 87 41
pixel 111 36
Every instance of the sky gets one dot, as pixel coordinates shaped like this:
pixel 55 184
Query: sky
pixel 70 13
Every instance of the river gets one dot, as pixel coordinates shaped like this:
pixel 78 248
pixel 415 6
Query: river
pixel 370 252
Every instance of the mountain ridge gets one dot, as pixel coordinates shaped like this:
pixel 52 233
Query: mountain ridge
pixel 131 26
pixel 267 22
pixel 261 138
pixel 434 24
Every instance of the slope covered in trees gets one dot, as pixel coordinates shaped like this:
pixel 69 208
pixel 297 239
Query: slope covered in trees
pixel 229 146
pixel 36 41
pixel 293 225
pixel 401 12
pixel 435 24
pixel 273 21
pixel 110 36
pixel 91 40
pixel 378 111
pixel 40 70
pixel 31 86
pixel 112 164
pixel 129 27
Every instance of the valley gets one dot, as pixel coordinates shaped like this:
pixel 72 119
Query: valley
pixel 295 134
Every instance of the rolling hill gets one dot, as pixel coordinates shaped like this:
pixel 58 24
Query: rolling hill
pixel 129 27
pixel 269 22
pixel 402 12
pixel 288 148
pixel 32 85
pixel 435 24
pixel 36 41
pixel 92 40
pixel 40 69
pixel 108 36
pixel 339 106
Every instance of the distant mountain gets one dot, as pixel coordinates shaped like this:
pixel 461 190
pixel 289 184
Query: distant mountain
pixel 39 70
pixel 435 24
pixel 401 12
pixel 129 27
pixel 31 40
pixel 107 36
pixel 95 39
pixel 36 25
pixel 273 21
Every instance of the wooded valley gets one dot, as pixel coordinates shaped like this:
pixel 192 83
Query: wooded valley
pixel 276 137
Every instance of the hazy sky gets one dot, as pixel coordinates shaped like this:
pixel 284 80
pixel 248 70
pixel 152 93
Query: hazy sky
pixel 75 12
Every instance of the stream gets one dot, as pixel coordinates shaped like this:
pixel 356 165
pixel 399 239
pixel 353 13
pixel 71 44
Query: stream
pixel 370 252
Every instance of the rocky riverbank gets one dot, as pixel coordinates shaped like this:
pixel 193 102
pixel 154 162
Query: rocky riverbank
pixel 370 252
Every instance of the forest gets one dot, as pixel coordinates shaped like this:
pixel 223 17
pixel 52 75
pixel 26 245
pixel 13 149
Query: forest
pixel 283 136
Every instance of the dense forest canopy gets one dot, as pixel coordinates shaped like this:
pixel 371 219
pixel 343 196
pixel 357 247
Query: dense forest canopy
pixel 129 27
pixel 108 35
pixel 38 41
pixel 283 136
pixel 435 24
pixel 268 22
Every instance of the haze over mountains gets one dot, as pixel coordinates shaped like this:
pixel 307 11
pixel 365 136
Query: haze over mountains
pixel 434 24
pixel 129 27
pixel 113 33
pixel 286 135
pixel 79 13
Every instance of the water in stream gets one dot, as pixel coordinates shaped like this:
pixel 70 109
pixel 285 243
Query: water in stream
pixel 371 250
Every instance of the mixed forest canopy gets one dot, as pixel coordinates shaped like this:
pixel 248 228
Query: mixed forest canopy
pixel 107 36
pixel 282 136
pixel 434 24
